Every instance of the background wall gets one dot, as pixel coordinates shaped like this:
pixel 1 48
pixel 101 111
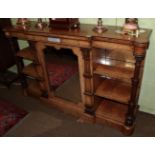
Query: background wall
pixel 147 95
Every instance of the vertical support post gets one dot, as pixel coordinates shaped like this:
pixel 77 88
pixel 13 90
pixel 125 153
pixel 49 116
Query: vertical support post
pixel 77 51
pixel 133 99
pixel 45 88
pixel 88 81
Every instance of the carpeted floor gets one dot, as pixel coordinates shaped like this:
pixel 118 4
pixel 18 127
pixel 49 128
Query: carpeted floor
pixel 66 90
pixel 48 122
pixel 34 124
pixel 10 115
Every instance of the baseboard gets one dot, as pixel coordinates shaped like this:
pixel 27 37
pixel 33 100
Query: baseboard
pixel 147 110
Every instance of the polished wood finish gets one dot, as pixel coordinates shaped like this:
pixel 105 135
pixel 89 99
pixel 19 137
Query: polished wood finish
pixel 112 111
pixel 114 71
pixel 114 90
pixel 134 92
pixel 110 70
pixel 27 53
pixel 89 98
pixel 34 71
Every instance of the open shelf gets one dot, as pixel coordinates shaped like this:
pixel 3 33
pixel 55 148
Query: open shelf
pixel 110 110
pixel 114 90
pixel 34 71
pixel 114 71
pixel 27 53
pixel 115 54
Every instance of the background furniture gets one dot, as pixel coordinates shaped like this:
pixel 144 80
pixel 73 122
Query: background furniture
pixel 7 58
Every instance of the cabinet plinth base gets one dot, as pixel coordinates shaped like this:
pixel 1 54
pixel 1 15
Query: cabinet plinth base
pixel 128 131
pixel 86 118
pixel 77 111
pixel 125 130
pixel 90 111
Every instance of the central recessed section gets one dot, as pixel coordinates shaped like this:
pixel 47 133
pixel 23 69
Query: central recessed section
pixel 63 73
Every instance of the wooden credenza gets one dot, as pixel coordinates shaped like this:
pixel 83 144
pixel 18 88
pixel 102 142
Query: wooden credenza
pixel 110 71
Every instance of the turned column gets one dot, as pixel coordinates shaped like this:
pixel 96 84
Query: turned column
pixel 139 55
pixel 88 81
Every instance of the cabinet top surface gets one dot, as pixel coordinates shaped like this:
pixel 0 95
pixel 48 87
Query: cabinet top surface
pixel 85 32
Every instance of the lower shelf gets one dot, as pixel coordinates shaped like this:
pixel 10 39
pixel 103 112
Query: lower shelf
pixel 27 53
pixel 114 90
pixel 34 71
pixel 124 72
pixel 112 111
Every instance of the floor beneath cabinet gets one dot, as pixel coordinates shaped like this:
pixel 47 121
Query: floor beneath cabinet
pixel 53 122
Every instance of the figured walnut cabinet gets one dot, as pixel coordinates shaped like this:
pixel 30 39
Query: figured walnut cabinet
pixel 110 70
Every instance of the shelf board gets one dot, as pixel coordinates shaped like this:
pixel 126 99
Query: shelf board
pixel 33 70
pixel 113 111
pixel 114 90
pixel 27 53
pixel 115 54
pixel 117 72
